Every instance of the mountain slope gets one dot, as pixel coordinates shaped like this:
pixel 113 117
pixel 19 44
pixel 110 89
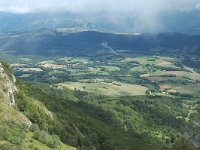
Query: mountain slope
pixel 87 121
pixel 16 130
pixel 85 125
pixel 102 122
pixel 50 42
pixel 174 21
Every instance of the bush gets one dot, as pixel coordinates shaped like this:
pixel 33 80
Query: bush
pixel 8 146
pixel 34 128
pixel 13 133
pixel 51 141
pixel 54 142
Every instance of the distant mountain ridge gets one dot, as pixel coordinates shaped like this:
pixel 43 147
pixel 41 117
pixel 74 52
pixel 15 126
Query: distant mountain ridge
pixel 176 21
pixel 52 42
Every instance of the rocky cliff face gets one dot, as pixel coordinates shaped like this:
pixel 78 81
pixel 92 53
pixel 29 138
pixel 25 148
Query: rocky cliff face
pixel 7 100
pixel 8 87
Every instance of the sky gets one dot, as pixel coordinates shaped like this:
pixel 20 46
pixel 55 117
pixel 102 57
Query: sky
pixel 148 12
pixel 136 6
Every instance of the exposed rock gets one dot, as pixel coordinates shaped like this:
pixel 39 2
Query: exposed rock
pixel 7 89
pixel 9 86
pixel 193 134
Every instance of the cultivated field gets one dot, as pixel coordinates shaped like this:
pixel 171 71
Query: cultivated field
pixel 112 89
pixel 127 76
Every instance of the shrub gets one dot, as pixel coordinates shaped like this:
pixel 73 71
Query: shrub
pixel 45 138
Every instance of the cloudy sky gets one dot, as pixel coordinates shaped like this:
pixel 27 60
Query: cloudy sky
pixel 137 6
pixel 148 13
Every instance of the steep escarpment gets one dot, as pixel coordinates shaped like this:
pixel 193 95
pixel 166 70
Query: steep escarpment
pixel 17 132
pixel 8 85
pixel 7 100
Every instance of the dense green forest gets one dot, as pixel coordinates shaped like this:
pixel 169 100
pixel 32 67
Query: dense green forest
pixel 89 121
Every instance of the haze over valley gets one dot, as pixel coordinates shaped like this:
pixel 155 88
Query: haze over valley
pixel 99 75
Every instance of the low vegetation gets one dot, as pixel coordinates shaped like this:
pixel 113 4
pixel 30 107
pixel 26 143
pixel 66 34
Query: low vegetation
pixel 103 103
pixel 87 120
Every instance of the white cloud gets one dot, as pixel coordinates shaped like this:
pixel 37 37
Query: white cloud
pixel 147 12
pixel 138 6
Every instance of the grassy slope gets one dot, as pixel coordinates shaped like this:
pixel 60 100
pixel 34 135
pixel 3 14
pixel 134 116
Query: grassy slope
pixel 110 89
pixel 100 121
pixel 14 133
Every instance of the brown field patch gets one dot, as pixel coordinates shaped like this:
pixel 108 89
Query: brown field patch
pixel 17 65
pixel 31 69
pixel 165 87
pixel 52 66
pixel 144 75
pixel 164 63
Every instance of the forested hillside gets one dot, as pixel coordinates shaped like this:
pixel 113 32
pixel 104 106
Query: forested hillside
pixel 91 121
pixel 17 132
pixel 89 43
